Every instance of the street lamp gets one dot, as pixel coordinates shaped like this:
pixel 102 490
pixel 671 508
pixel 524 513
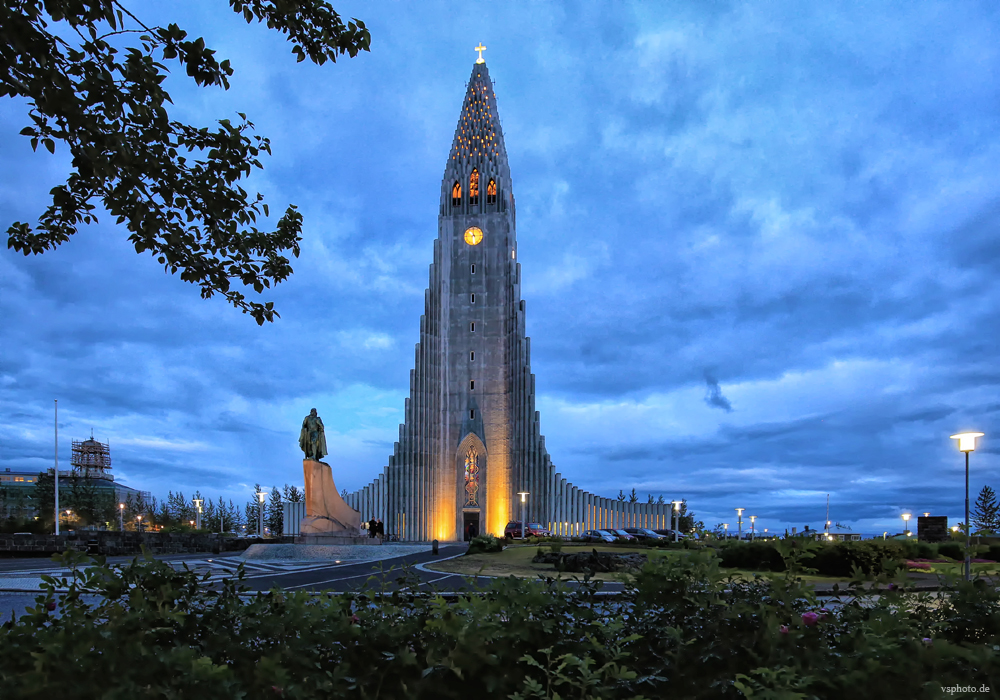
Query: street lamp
pixel 260 513
pixel 121 516
pixel 739 515
pixel 197 512
pixel 523 495
pixel 906 523
pixel 138 523
pixel 725 530
pixel 967 444
pixel 753 532
pixel 677 517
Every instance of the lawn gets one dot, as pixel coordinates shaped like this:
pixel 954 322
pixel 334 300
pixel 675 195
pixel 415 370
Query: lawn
pixel 516 561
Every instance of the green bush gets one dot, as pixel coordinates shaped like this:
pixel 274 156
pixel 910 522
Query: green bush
pixel 755 556
pixel 952 550
pixel 485 544
pixel 993 552
pixel 679 629
pixel 871 557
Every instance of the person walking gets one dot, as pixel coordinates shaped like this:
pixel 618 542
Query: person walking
pixel 380 530
pixel 372 527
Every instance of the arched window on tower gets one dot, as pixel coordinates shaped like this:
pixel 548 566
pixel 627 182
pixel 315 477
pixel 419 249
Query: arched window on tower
pixel 491 192
pixel 474 187
pixel 456 195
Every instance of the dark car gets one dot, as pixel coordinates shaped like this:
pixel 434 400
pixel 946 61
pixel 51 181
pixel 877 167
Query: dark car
pixel 644 533
pixel 513 530
pixel 622 535
pixel 597 536
pixel 670 534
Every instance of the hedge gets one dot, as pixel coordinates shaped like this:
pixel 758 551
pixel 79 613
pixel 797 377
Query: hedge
pixel 680 629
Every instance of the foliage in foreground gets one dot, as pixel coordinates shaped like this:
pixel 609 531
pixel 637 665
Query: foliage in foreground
pixel 679 630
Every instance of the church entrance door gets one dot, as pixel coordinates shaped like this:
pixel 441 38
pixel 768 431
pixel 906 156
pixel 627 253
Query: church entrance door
pixel 470 528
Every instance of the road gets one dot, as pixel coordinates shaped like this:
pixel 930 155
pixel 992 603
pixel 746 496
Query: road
pixel 20 577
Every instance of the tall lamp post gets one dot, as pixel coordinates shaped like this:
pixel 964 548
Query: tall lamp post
pixel 753 531
pixel 260 513
pixel 55 472
pixel 197 512
pixel 967 444
pixel 524 495
pixel 906 524
pixel 676 517
pixel 121 517
pixel 739 521
pixel 725 530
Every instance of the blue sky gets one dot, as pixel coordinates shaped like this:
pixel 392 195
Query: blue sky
pixel 759 244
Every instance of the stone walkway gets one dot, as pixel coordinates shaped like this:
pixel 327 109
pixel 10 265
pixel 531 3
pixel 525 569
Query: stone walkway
pixel 332 553
pixel 259 560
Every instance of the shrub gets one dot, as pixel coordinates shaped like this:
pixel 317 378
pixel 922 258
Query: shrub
pixel 756 556
pixel 993 553
pixel 872 557
pixel 952 550
pixel 679 629
pixel 485 544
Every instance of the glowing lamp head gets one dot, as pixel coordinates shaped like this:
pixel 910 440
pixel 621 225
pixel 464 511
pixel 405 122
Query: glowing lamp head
pixel 261 495
pixel 966 441
pixel 753 518
pixel 523 495
pixel 676 504
pixel 725 526
pixel 906 517
pixel 739 511
pixel 121 506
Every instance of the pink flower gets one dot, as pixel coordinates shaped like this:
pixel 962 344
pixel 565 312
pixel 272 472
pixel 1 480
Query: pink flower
pixel 810 619
pixel 783 629
pixel 355 620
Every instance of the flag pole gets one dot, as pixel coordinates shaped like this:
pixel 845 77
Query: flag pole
pixel 57 466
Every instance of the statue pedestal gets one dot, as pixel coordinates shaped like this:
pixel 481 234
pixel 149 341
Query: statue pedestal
pixel 329 520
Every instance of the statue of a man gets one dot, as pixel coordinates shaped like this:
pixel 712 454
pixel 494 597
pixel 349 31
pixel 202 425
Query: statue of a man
pixel 312 438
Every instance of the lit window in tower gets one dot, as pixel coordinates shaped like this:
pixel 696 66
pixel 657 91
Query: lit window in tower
pixel 474 187
pixel 491 192
pixel 471 478
pixel 456 195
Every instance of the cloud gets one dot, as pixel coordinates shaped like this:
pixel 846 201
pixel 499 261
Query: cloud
pixel 814 217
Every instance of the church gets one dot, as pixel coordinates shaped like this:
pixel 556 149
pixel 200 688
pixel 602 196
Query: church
pixel 471 442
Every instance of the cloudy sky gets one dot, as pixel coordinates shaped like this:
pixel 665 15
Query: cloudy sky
pixel 760 246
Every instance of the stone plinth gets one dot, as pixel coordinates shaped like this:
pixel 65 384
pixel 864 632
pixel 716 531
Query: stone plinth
pixel 327 515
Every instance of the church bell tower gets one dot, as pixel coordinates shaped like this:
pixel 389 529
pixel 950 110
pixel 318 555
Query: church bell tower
pixel 470 438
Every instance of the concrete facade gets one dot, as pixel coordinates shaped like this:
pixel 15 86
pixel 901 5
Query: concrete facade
pixel 471 438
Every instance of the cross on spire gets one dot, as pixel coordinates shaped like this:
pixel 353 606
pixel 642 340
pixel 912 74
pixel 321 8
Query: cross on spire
pixel 480 49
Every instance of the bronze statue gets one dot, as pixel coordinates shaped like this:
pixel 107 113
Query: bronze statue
pixel 312 438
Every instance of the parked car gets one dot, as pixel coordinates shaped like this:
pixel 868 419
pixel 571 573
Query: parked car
pixel 597 536
pixel 622 535
pixel 513 530
pixel 670 534
pixel 644 533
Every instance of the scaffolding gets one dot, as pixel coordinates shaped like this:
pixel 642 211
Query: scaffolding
pixel 91 459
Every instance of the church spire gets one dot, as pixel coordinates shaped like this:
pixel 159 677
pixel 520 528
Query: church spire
pixel 478 138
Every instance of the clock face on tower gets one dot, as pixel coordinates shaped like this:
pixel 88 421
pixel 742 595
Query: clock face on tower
pixel 473 235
